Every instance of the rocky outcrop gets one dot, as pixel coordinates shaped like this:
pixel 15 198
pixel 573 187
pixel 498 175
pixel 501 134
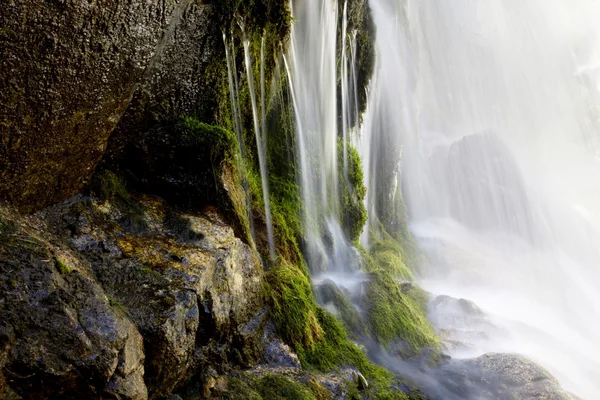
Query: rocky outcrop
pixel 68 70
pixel 60 335
pixel 513 376
pixel 128 301
pixel 492 376
pixel 462 326
pixel 192 288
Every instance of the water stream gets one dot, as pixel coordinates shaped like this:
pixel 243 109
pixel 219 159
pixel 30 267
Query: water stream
pixel 489 112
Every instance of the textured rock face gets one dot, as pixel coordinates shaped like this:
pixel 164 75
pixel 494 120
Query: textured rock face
pixel 462 326
pixel 517 377
pixel 492 376
pixel 60 337
pixel 176 83
pixel 68 70
pixel 192 288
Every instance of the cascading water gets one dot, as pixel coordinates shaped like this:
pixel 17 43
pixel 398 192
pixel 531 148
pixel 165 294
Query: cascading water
pixel 237 122
pixel 311 65
pixel 493 110
pixel 260 130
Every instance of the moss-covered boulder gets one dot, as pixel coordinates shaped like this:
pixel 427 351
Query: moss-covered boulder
pixel 68 70
pixel 60 335
pixel 353 213
pixel 396 315
pixel 192 165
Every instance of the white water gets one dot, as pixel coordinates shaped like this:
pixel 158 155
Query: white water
pixel 260 132
pixel 237 124
pixel 311 66
pixel 494 106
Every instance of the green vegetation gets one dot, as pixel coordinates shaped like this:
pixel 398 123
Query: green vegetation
pixel 393 314
pixel 223 181
pixel 116 304
pixel 273 387
pixel 352 209
pixel 110 187
pixel 387 255
pixel 317 337
pixel 62 266
pixel 221 143
pixel 347 313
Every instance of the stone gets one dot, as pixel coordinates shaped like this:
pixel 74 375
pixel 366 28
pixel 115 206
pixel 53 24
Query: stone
pixel 192 288
pixel 68 70
pixel 60 334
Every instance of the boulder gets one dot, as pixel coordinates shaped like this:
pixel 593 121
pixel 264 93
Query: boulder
pixel 193 289
pixel 60 335
pixel 68 70
pixel 513 376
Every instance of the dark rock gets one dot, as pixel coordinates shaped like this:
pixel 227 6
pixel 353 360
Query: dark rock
pixel 68 71
pixel 277 353
pixel 198 303
pixel 60 335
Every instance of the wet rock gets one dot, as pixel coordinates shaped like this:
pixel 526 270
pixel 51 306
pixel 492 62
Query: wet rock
pixel 461 324
pixel 68 70
pixel 277 353
pixel 190 165
pixel 493 376
pixel 193 289
pixel 337 301
pixel 61 337
pixel 517 377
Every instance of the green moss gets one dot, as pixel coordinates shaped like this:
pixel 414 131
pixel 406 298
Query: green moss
pixel 347 313
pixel 221 142
pixel 223 159
pixel 116 304
pixel 320 392
pixel 275 387
pixel 420 298
pixel 395 315
pixel 391 261
pixel 109 187
pixel 62 266
pixel 352 190
pixel 238 389
pixel 392 255
pixel 293 308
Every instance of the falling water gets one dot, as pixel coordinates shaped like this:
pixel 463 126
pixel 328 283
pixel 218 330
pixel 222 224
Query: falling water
pixel 493 109
pixel 345 105
pixel 237 125
pixel 260 135
pixel 353 111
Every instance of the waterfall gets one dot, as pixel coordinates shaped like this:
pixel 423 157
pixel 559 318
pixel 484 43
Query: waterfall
pixel 312 72
pixel 487 115
pixel 260 133
pixel 345 105
pixel 237 125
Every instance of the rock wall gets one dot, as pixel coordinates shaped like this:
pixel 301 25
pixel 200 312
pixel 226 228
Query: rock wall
pixel 68 70
pixel 95 306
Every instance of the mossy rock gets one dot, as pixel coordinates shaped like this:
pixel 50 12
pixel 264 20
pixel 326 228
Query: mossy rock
pixel 329 293
pixel 353 213
pixel 396 315
pixel 192 165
